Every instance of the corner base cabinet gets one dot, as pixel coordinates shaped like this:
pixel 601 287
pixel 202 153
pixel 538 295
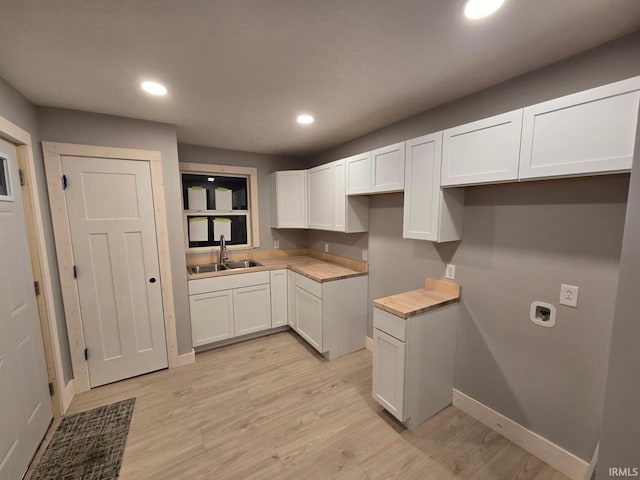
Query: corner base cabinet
pixel 413 362
pixel 330 316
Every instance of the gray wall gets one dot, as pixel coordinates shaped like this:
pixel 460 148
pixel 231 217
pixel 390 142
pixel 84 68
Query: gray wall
pixel 70 126
pixel 289 239
pixel 17 109
pixel 520 242
pixel 620 441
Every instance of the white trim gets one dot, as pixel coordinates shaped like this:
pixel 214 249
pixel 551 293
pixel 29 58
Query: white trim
pixel 53 167
pixel 40 262
pixel 186 358
pixel 556 456
pixel 368 344
pixel 67 395
pixel 594 462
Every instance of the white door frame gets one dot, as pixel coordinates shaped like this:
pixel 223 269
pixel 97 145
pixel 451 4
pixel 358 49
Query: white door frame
pixel 62 394
pixel 53 166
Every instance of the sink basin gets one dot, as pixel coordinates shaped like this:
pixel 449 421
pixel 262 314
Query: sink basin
pixel 242 264
pixel 212 267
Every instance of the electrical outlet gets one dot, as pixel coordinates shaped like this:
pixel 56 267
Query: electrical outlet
pixel 326 247
pixel 365 254
pixel 569 295
pixel 450 272
pixel 276 244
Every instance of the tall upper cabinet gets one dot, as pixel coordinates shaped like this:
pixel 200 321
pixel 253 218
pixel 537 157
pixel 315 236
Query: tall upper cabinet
pixel 329 208
pixel 289 199
pixel 430 212
pixel 588 132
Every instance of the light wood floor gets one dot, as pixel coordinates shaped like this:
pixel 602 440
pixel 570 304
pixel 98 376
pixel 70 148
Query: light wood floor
pixel 272 409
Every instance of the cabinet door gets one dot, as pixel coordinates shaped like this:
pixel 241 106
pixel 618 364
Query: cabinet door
pixel 339 197
pixel 321 197
pixel 211 317
pixel 389 366
pixel 358 171
pixel 485 151
pixel 309 313
pixel 252 309
pixel 585 133
pixel 278 298
pixel 422 187
pixel 291 199
pixel 292 314
pixel 387 169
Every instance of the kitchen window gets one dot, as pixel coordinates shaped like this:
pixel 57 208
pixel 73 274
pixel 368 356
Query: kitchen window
pixel 219 200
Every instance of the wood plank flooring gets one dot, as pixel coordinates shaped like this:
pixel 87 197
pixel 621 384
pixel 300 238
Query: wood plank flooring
pixel 271 408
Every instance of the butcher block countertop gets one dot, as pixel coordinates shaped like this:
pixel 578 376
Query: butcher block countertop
pixel 436 293
pixel 318 266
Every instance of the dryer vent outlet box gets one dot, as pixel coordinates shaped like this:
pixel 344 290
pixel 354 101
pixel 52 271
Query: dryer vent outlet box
pixel 543 314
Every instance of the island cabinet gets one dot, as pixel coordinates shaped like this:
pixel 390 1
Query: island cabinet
pixel 414 355
pixel 331 316
pixel 585 133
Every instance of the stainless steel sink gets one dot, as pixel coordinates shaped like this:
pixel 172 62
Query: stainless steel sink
pixel 212 267
pixel 243 264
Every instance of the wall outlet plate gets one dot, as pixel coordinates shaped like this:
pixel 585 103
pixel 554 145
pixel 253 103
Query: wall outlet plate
pixel 326 247
pixel 365 254
pixel 569 295
pixel 450 272
pixel 276 244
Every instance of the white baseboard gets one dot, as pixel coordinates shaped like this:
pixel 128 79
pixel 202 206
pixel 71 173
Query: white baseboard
pixel 66 396
pixel 368 344
pixel 186 359
pixel 547 451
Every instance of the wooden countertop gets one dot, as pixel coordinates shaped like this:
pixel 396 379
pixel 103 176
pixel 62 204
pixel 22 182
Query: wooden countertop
pixel 317 266
pixel 436 293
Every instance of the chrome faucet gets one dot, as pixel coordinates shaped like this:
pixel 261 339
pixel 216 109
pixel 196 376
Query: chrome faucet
pixel 224 255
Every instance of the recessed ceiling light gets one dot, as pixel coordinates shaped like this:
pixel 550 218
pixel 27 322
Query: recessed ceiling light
pixel 475 9
pixel 305 119
pixel 154 88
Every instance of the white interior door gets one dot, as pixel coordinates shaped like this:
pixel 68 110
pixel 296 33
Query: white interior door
pixel 25 407
pixel 113 236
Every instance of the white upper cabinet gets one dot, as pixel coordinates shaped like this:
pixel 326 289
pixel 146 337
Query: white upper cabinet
pixel 485 151
pixel 584 133
pixel 387 169
pixel 329 208
pixel 430 213
pixel 358 171
pixel 321 197
pixel 289 199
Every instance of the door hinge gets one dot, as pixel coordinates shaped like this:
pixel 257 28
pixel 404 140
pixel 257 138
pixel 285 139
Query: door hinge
pixel 75 272
pixel 21 173
pixel 64 182
pixel 36 287
pixel 86 354
pixel 51 389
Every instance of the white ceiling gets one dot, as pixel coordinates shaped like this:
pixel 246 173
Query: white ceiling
pixel 239 71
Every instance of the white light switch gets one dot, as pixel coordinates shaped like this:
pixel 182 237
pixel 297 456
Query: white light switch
pixel 569 295
pixel 450 272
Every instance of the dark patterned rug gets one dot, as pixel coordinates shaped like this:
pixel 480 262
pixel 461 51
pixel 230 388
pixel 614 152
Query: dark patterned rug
pixel 88 445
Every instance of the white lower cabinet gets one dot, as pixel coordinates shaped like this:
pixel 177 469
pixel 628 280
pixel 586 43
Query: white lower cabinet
pixel 330 316
pixel 251 309
pixel 279 304
pixel 229 306
pixel 413 362
pixel 211 317
pixel 292 317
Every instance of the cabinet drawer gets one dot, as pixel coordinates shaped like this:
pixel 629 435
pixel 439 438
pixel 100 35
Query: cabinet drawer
pixel 213 284
pixel 390 324
pixel 311 286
